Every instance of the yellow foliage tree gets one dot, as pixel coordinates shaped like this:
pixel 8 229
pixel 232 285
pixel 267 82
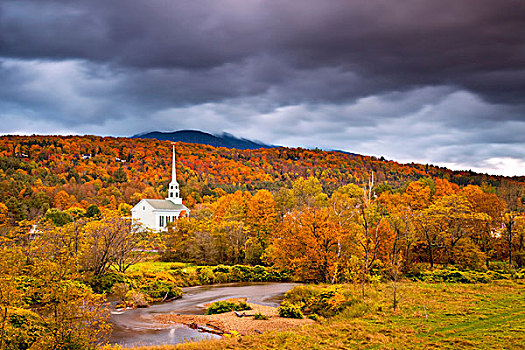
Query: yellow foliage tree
pixel 62 200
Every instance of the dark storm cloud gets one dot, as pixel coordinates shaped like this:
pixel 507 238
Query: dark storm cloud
pixel 418 80
pixel 477 46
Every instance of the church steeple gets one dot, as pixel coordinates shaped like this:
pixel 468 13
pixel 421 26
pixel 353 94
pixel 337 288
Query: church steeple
pixel 173 189
pixel 173 170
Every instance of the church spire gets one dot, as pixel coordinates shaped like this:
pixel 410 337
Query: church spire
pixel 173 171
pixel 173 188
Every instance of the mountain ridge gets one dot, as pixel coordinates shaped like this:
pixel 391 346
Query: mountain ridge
pixel 225 139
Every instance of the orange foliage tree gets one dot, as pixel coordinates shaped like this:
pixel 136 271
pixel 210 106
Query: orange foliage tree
pixel 306 242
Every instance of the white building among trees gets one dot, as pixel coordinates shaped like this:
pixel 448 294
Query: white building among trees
pixel 155 214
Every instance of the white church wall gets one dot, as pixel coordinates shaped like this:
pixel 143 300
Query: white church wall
pixel 167 216
pixel 143 213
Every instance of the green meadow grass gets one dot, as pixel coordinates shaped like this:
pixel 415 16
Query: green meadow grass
pixel 156 266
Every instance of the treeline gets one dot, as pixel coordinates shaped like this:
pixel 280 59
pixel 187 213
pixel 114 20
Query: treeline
pixel 42 172
pixel 50 270
pixel 355 232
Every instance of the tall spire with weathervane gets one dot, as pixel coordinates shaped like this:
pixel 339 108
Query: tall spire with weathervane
pixel 173 189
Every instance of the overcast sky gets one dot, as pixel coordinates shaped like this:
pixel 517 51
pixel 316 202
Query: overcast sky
pixel 439 82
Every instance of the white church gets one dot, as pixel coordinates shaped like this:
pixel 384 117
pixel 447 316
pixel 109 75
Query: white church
pixel 155 214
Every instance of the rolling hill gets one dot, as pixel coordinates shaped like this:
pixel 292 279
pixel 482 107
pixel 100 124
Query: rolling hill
pixel 204 138
pixel 40 172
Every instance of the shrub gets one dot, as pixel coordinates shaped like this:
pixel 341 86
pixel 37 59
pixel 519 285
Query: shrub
pixel 223 277
pixel 159 290
pixel 242 305
pixel 259 316
pixel 520 274
pixel 222 268
pixel 301 294
pixel 22 329
pixel 185 276
pixel 277 275
pixel 156 286
pixel 325 301
pixel 315 317
pixel 417 268
pixel 500 266
pixel 330 302
pixel 206 275
pixel 240 273
pixel 134 298
pixel 223 306
pixel 456 276
pixel 260 274
pixel 104 283
pixel 120 290
pixel 290 310
pixel 220 307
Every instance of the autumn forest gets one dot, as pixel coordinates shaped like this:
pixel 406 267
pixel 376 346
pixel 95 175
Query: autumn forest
pixel 280 214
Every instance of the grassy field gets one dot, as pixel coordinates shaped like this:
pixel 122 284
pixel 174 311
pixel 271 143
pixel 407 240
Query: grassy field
pixel 157 266
pixel 430 316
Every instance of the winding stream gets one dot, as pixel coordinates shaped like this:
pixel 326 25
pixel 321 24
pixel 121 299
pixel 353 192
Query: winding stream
pixel 137 327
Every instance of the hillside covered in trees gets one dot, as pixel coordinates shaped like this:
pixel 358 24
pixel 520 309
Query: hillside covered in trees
pixel 42 172
pixel 278 214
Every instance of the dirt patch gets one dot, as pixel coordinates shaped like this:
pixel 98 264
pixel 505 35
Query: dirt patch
pixel 229 322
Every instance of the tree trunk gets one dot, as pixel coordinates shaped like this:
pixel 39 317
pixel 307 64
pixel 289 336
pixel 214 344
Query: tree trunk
pixel 510 253
pixel 395 294
pixel 431 256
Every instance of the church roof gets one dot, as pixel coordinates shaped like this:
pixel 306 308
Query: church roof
pixel 165 204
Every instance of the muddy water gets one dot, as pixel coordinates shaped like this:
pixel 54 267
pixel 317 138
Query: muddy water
pixel 137 327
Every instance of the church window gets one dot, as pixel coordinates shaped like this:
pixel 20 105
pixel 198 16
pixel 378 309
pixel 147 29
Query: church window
pixel 171 194
pixel 144 208
pixel 161 221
